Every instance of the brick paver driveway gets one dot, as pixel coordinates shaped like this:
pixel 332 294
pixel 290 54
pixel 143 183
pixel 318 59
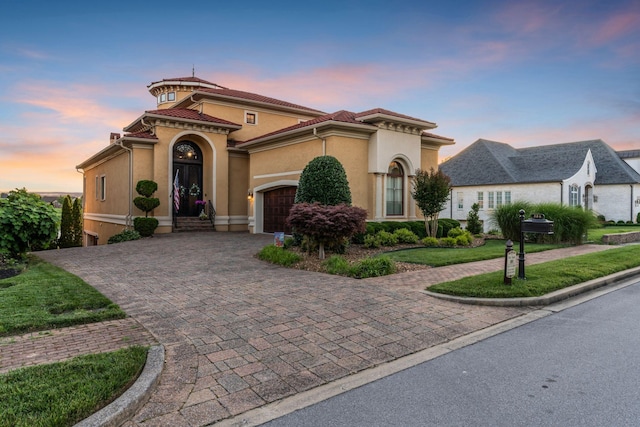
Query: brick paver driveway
pixel 240 333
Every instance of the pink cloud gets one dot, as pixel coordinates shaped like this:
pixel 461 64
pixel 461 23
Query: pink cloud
pixel 617 26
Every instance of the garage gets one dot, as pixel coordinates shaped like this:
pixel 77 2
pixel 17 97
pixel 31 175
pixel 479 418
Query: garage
pixel 277 204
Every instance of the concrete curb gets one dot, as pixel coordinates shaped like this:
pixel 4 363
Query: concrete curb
pixel 547 299
pixel 124 407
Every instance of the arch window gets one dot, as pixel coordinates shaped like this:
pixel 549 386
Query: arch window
pixel 395 189
pixel 187 151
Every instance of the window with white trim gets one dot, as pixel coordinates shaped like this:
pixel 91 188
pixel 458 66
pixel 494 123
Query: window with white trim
pixel 498 198
pixel 171 96
pixel 574 195
pixel 250 118
pixel 491 200
pixel 395 189
pixel 102 187
pixel 507 197
pixel 480 200
pixel 460 200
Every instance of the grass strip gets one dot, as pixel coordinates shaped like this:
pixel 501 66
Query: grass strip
pixel 45 296
pixel 438 257
pixel 545 277
pixel 62 394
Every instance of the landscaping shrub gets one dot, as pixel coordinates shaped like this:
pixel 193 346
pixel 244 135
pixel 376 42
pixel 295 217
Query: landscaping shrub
pixel 336 264
pixel 146 187
pixel 446 224
pixel 386 238
pixel 325 224
pixel 145 225
pixel 570 224
pixel 448 242
pixel 463 240
pixel 371 241
pixel 76 215
pixel 473 220
pixel 26 223
pixel 373 267
pixel 66 223
pixel 124 236
pixel 404 235
pixel 323 181
pixel 430 242
pixel 418 229
pixel 280 256
pixel 392 226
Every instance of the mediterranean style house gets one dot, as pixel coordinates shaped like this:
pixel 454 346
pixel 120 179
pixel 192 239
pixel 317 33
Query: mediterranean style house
pixel 240 155
pixel 589 174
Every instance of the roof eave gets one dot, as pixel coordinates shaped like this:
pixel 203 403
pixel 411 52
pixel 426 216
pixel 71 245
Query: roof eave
pixel 199 95
pixel 388 117
pixel 109 150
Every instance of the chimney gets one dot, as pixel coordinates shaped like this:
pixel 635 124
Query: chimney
pixel 113 137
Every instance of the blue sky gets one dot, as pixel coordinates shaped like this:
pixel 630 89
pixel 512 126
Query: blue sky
pixel 521 72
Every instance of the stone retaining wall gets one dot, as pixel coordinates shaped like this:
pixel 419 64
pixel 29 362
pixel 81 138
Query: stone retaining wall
pixel 616 239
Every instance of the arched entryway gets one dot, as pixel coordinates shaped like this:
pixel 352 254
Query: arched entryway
pixel 277 204
pixel 187 164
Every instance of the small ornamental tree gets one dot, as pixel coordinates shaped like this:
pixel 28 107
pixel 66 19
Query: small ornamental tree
pixel 146 226
pixel 26 222
pixel 473 220
pixel 327 224
pixel 76 215
pixel 324 181
pixel 431 192
pixel 66 224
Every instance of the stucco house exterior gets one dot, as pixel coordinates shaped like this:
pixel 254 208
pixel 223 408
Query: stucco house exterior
pixel 244 153
pixel 589 174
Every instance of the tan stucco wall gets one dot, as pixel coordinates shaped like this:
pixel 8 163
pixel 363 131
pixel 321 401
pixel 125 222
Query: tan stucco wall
pixel 428 158
pixel 351 153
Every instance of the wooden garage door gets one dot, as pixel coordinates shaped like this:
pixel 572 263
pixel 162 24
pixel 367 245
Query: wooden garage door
pixel 277 204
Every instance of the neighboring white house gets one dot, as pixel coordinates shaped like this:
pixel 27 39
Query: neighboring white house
pixel 586 173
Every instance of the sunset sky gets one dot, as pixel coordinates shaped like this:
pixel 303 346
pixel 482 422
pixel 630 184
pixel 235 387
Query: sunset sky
pixel 521 72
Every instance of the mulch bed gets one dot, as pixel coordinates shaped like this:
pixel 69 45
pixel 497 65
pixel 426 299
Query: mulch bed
pixel 5 273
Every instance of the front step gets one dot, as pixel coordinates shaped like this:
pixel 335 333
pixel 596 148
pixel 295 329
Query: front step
pixel 185 224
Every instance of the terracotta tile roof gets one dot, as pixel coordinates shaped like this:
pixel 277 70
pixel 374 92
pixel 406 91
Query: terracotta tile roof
pixel 144 134
pixel 185 79
pixel 339 116
pixel 189 114
pixel 232 93
pixel 386 112
pixel 433 135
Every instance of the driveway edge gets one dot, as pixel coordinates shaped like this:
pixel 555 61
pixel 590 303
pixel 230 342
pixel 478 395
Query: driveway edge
pixel 124 407
pixel 547 299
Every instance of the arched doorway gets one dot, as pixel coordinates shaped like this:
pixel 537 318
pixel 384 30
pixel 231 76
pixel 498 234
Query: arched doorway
pixel 187 163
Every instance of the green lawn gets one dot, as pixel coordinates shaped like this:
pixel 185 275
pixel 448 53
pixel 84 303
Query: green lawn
pixel 546 277
pixel 45 296
pixel 438 257
pixel 59 394
pixel 62 394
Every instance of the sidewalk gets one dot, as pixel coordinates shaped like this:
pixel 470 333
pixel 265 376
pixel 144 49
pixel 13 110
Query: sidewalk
pixel 240 334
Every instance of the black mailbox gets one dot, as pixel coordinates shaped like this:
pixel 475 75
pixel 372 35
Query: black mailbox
pixel 537 224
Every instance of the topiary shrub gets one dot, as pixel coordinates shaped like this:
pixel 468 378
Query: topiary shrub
pixel 323 181
pixel 145 225
pixel 473 220
pixel 373 267
pixel 146 203
pixel 76 218
pixel 405 235
pixel 124 236
pixel 146 188
pixel 66 223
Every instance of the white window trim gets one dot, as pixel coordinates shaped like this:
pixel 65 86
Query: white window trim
pixel 255 114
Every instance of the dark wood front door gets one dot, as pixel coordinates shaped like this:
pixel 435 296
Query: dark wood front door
pixel 187 164
pixel 277 204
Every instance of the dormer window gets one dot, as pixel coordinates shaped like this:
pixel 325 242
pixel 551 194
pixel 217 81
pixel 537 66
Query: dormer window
pixel 171 96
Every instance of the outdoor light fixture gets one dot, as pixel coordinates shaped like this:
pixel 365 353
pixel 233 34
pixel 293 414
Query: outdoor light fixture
pixel 249 194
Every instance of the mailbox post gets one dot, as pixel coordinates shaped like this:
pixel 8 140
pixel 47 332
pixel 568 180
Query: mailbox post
pixel 537 224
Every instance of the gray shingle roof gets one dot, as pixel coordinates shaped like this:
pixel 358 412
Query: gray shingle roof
pixel 489 163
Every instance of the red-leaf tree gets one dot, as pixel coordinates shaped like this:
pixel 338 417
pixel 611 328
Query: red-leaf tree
pixel 327 224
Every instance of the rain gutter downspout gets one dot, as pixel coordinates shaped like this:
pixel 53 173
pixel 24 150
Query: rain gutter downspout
pixel 130 151
pixel 324 142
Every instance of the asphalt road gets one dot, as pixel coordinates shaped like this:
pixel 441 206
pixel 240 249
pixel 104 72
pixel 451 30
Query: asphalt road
pixel 578 367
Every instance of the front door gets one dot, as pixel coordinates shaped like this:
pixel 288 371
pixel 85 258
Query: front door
pixel 187 163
